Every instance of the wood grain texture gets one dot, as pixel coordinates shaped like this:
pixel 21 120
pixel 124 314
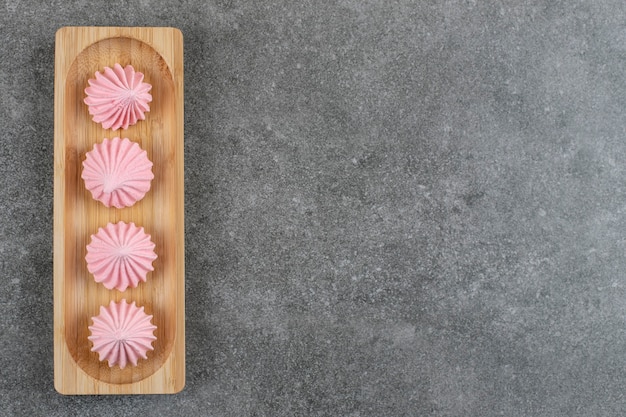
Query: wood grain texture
pixel 158 53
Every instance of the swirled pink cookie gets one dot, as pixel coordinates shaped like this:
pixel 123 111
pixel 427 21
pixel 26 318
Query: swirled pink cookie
pixel 117 172
pixel 120 255
pixel 122 333
pixel 118 97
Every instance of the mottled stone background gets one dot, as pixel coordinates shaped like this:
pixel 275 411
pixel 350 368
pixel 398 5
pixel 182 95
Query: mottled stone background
pixel 393 208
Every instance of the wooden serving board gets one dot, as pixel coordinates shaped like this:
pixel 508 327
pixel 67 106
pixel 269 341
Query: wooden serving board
pixel 158 53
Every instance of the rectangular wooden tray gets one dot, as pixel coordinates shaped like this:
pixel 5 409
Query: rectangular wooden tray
pixel 158 53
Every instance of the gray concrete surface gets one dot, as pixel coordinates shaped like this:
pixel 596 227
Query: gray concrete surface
pixel 393 208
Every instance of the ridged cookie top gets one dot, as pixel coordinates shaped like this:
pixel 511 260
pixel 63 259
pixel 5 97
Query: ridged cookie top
pixel 120 255
pixel 117 172
pixel 122 333
pixel 118 97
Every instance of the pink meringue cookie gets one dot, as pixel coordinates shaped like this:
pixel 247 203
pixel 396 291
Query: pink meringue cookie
pixel 122 333
pixel 118 97
pixel 117 172
pixel 120 255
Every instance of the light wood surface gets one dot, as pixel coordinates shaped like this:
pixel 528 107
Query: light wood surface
pixel 158 53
